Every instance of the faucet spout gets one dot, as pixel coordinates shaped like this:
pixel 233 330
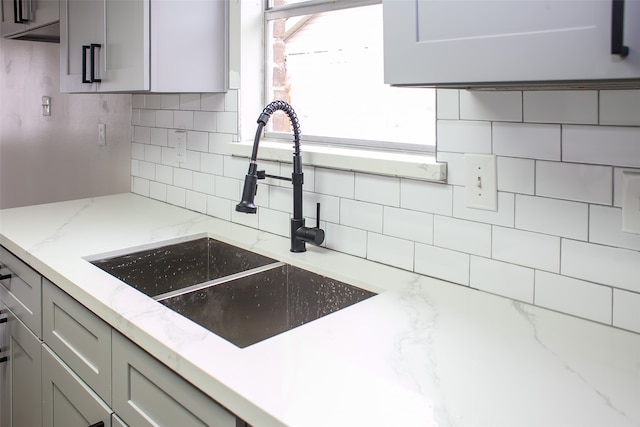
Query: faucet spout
pixel 300 234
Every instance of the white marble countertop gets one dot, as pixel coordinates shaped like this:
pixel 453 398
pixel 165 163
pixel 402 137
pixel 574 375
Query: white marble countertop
pixel 422 352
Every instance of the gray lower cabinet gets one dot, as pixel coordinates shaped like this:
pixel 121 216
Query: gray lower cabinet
pixel 147 393
pixel 67 400
pixel 20 375
pixel 79 337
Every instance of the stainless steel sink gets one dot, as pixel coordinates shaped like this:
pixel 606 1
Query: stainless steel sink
pixel 176 266
pixel 239 295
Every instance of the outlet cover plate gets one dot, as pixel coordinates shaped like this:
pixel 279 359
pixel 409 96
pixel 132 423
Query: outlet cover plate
pixel 481 182
pixel 631 202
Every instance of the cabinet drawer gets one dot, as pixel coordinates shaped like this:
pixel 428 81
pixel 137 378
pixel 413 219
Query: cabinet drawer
pixel 67 400
pixel 147 393
pixel 79 337
pixel 22 291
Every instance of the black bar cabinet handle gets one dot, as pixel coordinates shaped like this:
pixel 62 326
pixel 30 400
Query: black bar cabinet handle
pixel 5 276
pixel 4 320
pixel 17 12
pixel 85 49
pixel 3 359
pixel 98 424
pixel 617 29
pixel 93 65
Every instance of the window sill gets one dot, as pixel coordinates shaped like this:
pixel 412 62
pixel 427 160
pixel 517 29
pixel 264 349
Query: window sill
pixel 415 166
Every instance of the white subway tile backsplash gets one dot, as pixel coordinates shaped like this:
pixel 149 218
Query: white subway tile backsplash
pixel 142 134
pixel 601 264
pixel 164 118
pixel 204 183
pixel 196 201
pixel 140 186
pixel 147 117
pixel 227 122
pixel 447 104
pixel 455 167
pixel 377 189
pixel 552 216
pixel 329 206
pixel 500 105
pixel 408 224
pixel 527 140
pixel 158 191
pixel 281 199
pixel 603 145
pixel 626 309
pixel 183 178
pixel 525 248
pixel 219 207
pixel 170 102
pixel 620 107
pixel 230 188
pixel 212 102
pixel 164 174
pixel 218 143
pixel 335 183
pixel 516 175
pixel 571 181
pixel 346 239
pixel 577 297
pixel 442 263
pixel 426 197
pixel 170 157
pixel 183 120
pixel 249 220
pixel 617 184
pixel 205 121
pixel 390 250
pixel 190 101
pixel 463 236
pixel 236 167
pixel 137 100
pixel 464 136
pixel 605 227
pixel 212 163
pixel 231 100
pixel 147 170
pixel 152 101
pixel 137 151
pixel 152 153
pixel 502 278
pixel 275 222
pixel 176 196
pixel 198 141
pixel 367 216
pixel 192 161
pixel 561 106
pixel 159 137
pixel 503 216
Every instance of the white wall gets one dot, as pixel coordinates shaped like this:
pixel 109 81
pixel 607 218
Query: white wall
pixel 47 159
pixel 555 240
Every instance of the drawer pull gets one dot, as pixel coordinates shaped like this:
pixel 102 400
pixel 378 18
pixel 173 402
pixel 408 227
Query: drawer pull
pixel 3 320
pixel 5 276
pixel 98 424
pixel 4 359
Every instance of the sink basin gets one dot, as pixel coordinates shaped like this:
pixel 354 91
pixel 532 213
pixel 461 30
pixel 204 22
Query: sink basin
pixel 171 267
pixel 258 306
pixel 237 294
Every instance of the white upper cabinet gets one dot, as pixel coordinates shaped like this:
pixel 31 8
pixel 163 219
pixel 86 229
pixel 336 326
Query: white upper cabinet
pixel 476 43
pixel 144 45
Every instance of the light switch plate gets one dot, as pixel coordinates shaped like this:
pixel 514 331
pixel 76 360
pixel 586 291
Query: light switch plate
pixel 181 146
pixel 481 183
pixel 631 202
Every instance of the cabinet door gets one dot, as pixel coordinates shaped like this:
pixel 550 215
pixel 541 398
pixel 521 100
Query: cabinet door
pixel 21 290
pixel 81 25
pixel 78 337
pixel 67 400
pixel 126 51
pixel 147 393
pixel 24 374
pixel 9 24
pixel 490 41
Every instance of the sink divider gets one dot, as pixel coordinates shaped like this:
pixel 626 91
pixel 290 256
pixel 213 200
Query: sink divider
pixel 219 281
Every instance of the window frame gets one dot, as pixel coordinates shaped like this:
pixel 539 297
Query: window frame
pixel 307 7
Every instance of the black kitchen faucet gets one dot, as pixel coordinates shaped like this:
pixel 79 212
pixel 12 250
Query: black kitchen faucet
pixel 299 233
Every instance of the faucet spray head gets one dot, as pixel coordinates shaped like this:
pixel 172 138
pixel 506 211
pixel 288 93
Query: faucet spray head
pixel 248 193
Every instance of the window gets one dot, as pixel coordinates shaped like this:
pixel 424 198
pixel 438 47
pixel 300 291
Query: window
pixel 326 60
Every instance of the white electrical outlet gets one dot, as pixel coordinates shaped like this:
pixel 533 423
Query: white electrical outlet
pixel 102 134
pixel 481 183
pixel 181 145
pixel 631 202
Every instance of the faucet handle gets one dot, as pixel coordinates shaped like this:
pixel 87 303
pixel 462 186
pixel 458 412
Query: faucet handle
pixel 318 215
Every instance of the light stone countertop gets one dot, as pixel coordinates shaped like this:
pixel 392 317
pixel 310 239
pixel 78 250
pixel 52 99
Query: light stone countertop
pixel 422 352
